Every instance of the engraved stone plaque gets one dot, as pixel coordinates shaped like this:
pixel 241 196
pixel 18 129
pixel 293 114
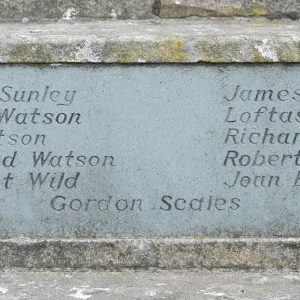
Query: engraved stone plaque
pixel 159 150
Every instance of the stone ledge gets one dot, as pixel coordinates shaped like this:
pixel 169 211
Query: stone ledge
pixel 164 41
pixel 182 253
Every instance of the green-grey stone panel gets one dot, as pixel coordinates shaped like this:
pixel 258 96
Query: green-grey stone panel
pixel 167 150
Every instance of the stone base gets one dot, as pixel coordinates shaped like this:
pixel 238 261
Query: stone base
pixel 181 253
pixel 124 42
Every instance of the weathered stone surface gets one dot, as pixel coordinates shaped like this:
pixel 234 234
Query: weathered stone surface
pixel 41 10
pixel 165 41
pixel 140 285
pixel 179 254
pixel 38 10
pixel 230 8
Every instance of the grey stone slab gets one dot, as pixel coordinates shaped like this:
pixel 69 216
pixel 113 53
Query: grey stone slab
pixel 149 151
pixel 40 10
pixel 150 285
pixel 156 253
pixel 151 253
pixel 174 41
pixel 230 8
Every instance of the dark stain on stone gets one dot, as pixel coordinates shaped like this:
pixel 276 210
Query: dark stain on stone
pixel 156 8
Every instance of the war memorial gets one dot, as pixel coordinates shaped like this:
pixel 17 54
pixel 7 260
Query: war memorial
pixel 150 134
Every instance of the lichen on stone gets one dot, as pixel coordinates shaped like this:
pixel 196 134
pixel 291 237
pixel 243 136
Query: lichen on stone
pixel 211 51
pixel 173 11
pixel 259 58
pixel 289 54
pixel 171 50
pixel 30 52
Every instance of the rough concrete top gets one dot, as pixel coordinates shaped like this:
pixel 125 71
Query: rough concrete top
pixel 153 285
pixel 37 10
pixel 161 41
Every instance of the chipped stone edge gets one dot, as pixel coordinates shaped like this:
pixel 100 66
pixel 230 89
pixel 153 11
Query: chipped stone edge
pixel 151 253
pixel 255 47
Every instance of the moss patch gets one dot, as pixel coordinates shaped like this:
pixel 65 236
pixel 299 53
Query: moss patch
pixel 173 11
pixel 30 53
pixel 211 51
pixel 288 54
pixel 252 11
pixel 259 12
pixel 199 237
pixel 259 58
pixel 169 51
